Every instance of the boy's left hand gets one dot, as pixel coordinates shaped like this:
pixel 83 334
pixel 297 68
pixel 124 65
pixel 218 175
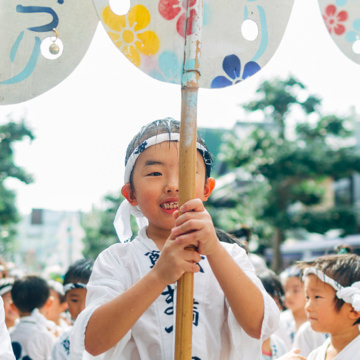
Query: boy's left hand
pixel 194 224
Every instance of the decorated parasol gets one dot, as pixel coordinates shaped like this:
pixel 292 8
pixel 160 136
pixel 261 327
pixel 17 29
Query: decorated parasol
pixel 342 20
pixel 41 44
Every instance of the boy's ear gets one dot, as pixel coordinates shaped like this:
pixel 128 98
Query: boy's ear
pixel 129 194
pixel 14 308
pixel 354 314
pixel 49 302
pixel 209 187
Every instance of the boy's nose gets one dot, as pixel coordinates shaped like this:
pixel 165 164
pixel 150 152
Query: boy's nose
pixel 172 187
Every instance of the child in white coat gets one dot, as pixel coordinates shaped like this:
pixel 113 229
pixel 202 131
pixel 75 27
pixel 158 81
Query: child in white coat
pixel 130 303
pixel 332 287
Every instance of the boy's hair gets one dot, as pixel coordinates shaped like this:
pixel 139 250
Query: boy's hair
pixel 58 288
pixel 291 271
pixel 231 239
pixel 162 126
pixel 343 268
pixel 79 272
pixel 29 293
pixel 272 285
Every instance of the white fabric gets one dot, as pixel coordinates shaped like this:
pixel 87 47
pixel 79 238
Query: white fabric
pixel 306 339
pixel 287 328
pixel 122 222
pixel 157 139
pixel 6 352
pixel 351 351
pixel 33 337
pixel 350 294
pixel 61 349
pixel 216 333
pixel 278 348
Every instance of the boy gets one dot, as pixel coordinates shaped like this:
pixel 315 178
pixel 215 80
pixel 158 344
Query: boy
pixel 132 290
pixel 75 280
pixel 11 315
pixel 58 307
pixel 31 336
pixel 332 287
pixel 6 352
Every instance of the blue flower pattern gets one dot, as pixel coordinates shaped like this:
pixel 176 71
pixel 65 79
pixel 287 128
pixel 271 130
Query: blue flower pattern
pixel 352 36
pixel 232 68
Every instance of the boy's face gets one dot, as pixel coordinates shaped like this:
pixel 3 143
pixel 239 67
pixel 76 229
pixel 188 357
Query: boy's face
pixel 320 307
pixel 156 186
pixel 294 293
pixel 57 307
pixel 75 299
pixel 10 311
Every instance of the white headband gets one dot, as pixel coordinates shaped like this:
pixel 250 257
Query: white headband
pixel 122 222
pixel 71 286
pixel 349 294
pixel 157 139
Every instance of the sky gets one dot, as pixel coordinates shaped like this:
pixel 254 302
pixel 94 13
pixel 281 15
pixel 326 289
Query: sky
pixel 83 125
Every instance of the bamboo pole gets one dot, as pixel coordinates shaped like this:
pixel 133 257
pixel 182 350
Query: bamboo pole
pixel 187 171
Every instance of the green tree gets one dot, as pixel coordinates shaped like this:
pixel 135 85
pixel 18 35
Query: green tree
pixel 99 229
pixel 288 164
pixel 10 134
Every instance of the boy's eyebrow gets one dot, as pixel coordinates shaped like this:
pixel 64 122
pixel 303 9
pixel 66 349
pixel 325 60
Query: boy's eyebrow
pixel 153 162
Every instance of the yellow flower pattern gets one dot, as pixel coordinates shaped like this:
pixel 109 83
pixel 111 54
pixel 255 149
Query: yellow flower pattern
pixel 129 35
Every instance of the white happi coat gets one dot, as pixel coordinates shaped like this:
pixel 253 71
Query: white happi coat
pixel 6 352
pixel 307 340
pixel 61 349
pixel 216 333
pixel 31 337
pixel 350 351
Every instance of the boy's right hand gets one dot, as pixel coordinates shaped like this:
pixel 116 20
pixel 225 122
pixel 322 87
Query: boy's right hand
pixel 176 259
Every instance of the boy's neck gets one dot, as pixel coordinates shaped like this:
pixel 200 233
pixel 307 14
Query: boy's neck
pixel 159 237
pixel 24 314
pixel 341 340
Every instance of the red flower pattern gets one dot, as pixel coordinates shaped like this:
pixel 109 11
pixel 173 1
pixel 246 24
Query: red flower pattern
pixel 333 19
pixel 170 9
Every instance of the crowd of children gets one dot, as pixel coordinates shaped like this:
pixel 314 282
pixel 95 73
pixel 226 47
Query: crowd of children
pixel 310 311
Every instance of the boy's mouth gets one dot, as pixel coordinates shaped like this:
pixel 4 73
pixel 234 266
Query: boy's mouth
pixel 170 205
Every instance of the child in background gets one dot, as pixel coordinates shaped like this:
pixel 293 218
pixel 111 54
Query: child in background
pixel 294 301
pixel 11 315
pixel 58 307
pixel 6 352
pixel 274 346
pixel 332 287
pixel 74 287
pixel 31 336
pixel 131 295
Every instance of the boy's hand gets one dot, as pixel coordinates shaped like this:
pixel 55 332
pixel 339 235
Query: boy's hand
pixel 176 259
pixel 194 226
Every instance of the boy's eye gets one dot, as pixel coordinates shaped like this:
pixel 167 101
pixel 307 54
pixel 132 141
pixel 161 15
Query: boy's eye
pixel 154 173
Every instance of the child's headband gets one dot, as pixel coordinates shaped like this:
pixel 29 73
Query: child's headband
pixel 71 286
pixel 157 139
pixel 349 294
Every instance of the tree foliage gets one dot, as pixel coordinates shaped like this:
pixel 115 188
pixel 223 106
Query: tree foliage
pixel 10 134
pixel 288 168
pixel 99 229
